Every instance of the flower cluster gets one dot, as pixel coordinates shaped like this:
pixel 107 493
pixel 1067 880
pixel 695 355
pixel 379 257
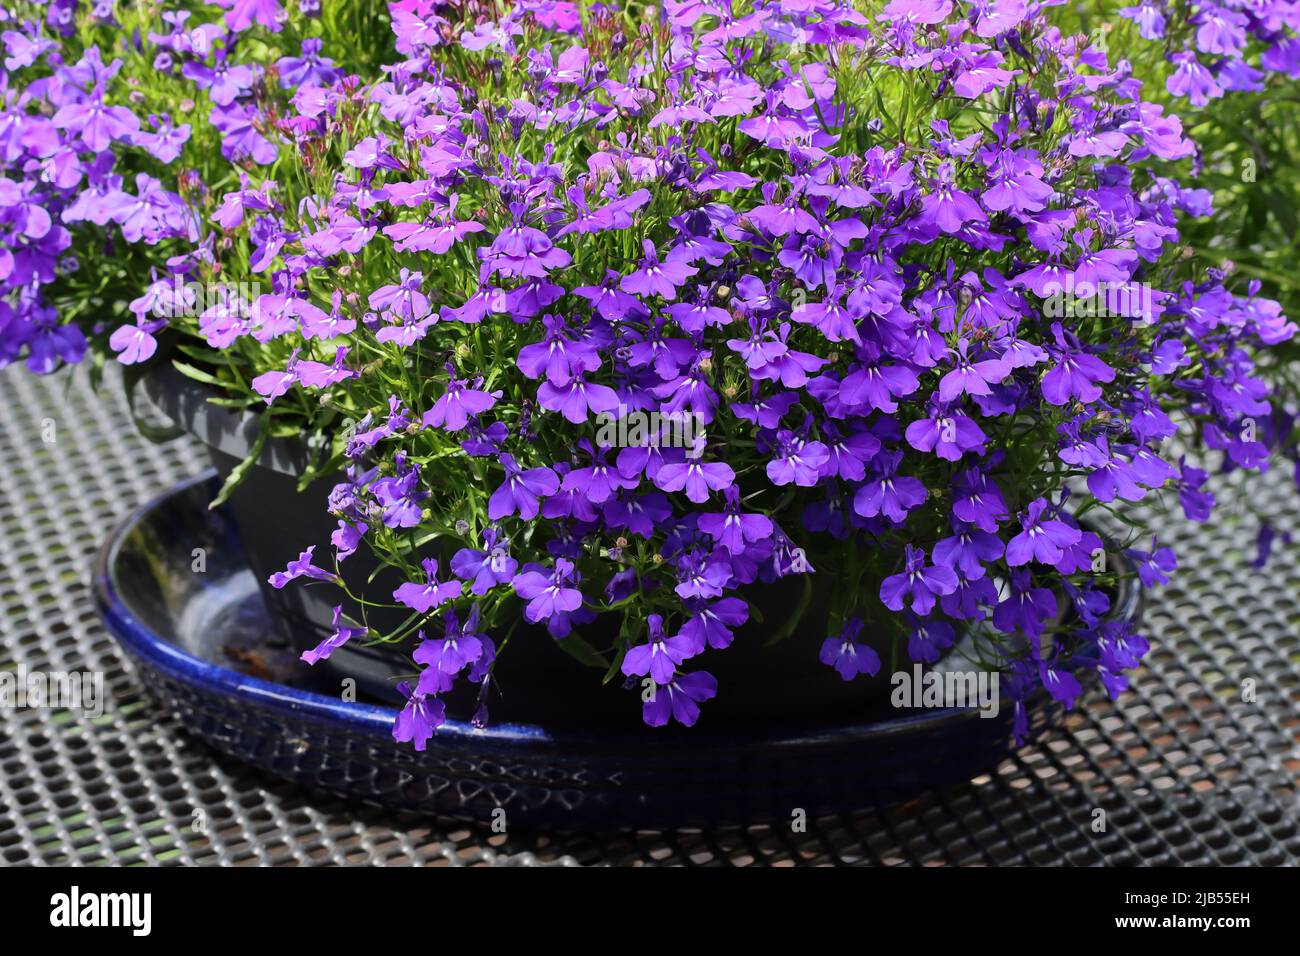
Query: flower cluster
pixel 1215 48
pixel 60 136
pixel 910 272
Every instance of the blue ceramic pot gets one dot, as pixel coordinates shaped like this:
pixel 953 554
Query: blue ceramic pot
pixel 204 645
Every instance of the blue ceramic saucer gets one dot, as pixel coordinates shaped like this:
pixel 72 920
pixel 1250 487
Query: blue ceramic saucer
pixel 200 641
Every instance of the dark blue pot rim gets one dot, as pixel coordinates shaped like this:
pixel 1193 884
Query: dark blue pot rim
pixel 377 720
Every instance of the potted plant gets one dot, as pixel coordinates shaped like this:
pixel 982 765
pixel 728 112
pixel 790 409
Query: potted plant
pixel 807 337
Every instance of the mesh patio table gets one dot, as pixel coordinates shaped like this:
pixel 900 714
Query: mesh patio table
pixel 1189 770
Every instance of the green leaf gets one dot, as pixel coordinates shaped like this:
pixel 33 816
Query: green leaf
pixel 582 652
pixel 197 374
pixel 796 616
pixel 240 471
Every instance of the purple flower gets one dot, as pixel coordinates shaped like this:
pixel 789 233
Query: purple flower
pixel 712 623
pixel 702 575
pixel 1192 80
pixel 889 493
pixel 1025 608
pixel 949 435
pixel 577 399
pixel 97 123
pixel 560 358
pixel 521 490
pixel 452 411
pixel 1075 374
pixel 420 717
pixel 1061 684
pixel 977 501
pixel 1041 539
pixel 679 699
pixel 242 14
pixel 135 343
pixel 341 635
pixel 548 594
pixel 732 529
pixel 306 70
pixel 432 593
pixel 454 651
pixel 1154 566
pixel 928 639
pixel 486 569
pixel 696 477
pixel 301 567
pixel 400 498
pixel 949 207
pixel 402 299
pixel 797 460
pixel 655 277
pixel 661 656
pixel 971 377
pixel 968 551
pixel 917 581
pixel 849 657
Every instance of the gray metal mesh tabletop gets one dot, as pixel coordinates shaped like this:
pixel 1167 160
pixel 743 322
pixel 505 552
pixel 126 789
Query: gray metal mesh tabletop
pixel 1188 770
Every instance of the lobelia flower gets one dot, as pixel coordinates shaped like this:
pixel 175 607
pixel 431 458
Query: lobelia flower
pixel 1061 684
pixel 921 583
pixel 711 624
pixel 679 699
pixel 1075 374
pixel 452 411
pixel 577 399
pixel 929 638
pixel 797 460
pixel 301 567
pixel 660 656
pixel 308 69
pixel 655 277
pixel 421 716
pixel 847 655
pixel 702 575
pixel 732 529
pixel 1154 566
pixel 548 594
pixel 342 634
pixel 402 299
pixel 968 551
pixel 884 293
pixel 520 492
pixel 1042 539
pixel 697 478
pixel 97 123
pixel 485 569
pixel 948 207
pixel 1025 608
pixel 240 136
pixel 887 493
pixel 455 650
pixel 432 593
pixel 242 14
pixel 599 481
pixel 136 343
pixel 950 435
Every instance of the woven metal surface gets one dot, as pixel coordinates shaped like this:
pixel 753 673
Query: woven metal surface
pixel 1189 770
